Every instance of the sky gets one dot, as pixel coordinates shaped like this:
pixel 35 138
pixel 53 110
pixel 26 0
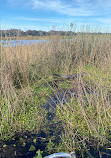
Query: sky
pixel 48 15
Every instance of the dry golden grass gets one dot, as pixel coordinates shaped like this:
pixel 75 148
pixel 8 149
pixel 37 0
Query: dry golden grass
pixel 84 119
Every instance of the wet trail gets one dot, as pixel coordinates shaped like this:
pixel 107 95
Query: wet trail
pixel 25 145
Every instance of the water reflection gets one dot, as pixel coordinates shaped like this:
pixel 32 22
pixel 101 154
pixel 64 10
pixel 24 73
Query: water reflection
pixel 20 42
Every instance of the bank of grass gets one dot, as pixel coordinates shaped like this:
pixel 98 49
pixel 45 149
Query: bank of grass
pixel 86 119
pixel 30 37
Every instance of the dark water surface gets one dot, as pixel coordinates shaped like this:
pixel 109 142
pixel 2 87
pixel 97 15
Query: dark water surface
pixel 19 145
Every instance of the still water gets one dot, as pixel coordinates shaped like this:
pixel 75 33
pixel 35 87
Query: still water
pixel 20 42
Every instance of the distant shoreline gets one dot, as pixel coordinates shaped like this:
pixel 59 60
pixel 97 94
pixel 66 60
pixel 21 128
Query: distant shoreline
pixel 29 37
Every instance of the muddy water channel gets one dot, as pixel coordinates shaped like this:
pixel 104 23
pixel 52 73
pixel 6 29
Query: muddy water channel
pixel 25 145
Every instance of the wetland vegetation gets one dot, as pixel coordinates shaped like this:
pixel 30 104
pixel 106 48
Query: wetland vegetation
pixel 41 111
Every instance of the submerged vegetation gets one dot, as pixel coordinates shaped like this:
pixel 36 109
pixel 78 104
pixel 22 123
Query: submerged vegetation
pixel 56 114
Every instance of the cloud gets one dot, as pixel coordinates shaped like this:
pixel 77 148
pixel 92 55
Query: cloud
pixel 19 3
pixel 77 11
pixel 6 26
pixel 96 24
pixel 40 19
pixel 60 7
pixel 101 20
pixel 104 20
pixel 65 7
pixel 57 20
pixel 75 7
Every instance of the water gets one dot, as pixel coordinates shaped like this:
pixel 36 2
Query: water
pixel 49 129
pixel 6 43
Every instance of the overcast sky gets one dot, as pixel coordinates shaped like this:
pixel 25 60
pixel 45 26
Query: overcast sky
pixel 58 14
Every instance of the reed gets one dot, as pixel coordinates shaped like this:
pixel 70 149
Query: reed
pixel 85 119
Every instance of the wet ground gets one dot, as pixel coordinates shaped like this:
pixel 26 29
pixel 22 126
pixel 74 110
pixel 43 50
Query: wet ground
pixel 25 145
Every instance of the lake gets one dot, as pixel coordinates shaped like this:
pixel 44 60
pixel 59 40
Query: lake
pixel 20 42
pixel 6 43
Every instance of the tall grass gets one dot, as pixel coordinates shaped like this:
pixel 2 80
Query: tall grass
pixel 87 118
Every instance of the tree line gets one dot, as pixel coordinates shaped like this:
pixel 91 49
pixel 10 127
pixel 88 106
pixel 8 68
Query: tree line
pixel 17 32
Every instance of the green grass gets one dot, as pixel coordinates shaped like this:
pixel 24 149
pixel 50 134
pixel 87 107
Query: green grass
pixel 27 72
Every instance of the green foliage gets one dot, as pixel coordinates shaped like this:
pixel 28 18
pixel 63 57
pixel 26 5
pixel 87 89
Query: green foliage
pixel 24 144
pixel 28 117
pixel 65 85
pixel 34 141
pixel 50 147
pixel 17 77
pixel 96 74
pixel 42 90
pixel 32 148
pixel 84 124
pixel 38 154
pixel 85 119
